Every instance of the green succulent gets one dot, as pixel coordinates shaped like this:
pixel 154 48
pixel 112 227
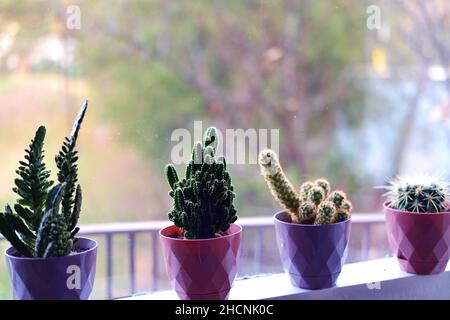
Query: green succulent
pixel 203 201
pixel 37 227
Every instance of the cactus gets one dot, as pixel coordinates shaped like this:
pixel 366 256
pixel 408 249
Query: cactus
pixel 308 212
pixel 346 206
pixel 418 194
pixel 37 227
pixel 337 197
pixel 304 189
pixel 324 184
pixel 202 201
pixel 316 195
pixel 325 212
pixel 279 184
pixel 315 202
pixel 339 216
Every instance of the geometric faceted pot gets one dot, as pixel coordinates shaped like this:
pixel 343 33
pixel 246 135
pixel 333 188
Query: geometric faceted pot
pixel 58 278
pixel 201 269
pixel 312 255
pixel 420 241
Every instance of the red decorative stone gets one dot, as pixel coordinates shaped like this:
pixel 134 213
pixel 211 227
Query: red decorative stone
pixel 201 269
pixel 420 241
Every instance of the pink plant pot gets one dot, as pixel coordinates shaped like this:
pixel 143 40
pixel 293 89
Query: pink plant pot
pixel 201 269
pixel 420 241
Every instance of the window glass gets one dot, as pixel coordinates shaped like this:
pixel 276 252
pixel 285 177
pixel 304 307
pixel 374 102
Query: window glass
pixel 355 91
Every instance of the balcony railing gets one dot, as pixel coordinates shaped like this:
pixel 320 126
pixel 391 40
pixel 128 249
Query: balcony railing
pixel 362 225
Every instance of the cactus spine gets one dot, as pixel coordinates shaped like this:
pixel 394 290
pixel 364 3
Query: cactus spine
pixel 419 194
pixel 37 227
pixel 315 202
pixel 203 200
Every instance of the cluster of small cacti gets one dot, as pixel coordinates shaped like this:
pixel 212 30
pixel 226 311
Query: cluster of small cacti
pixel 44 220
pixel 314 203
pixel 203 201
pixel 419 194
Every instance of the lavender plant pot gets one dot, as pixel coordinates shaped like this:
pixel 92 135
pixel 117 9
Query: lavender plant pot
pixel 60 278
pixel 312 255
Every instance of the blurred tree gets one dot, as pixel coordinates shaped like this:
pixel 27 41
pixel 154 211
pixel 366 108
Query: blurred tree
pixel 296 65
pixel 419 42
pixel 247 64
pixel 257 64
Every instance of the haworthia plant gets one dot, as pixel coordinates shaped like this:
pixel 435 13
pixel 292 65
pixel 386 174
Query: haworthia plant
pixel 44 220
pixel 203 200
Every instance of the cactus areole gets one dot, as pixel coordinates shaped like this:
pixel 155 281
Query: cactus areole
pixel 201 250
pixel 42 225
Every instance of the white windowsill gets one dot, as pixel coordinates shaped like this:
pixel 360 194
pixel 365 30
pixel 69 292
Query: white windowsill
pixel 354 282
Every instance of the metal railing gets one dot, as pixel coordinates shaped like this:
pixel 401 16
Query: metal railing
pixel 258 224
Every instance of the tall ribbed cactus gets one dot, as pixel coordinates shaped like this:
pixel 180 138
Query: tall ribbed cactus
pixel 315 202
pixel 203 200
pixel 36 227
pixel 419 194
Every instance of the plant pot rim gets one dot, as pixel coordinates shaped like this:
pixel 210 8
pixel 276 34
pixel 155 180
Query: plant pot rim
pixel 275 217
pixel 13 257
pixel 398 211
pixel 200 240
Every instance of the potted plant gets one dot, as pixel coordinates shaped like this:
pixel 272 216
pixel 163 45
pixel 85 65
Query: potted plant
pixel 313 231
pixel 201 249
pixel 47 260
pixel 418 223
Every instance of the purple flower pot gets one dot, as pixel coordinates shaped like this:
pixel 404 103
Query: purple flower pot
pixel 60 278
pixel 420 241
pixel 312 255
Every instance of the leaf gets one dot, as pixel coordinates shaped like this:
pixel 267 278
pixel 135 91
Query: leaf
pixel 76 209
pixel 48 250
pixel 17 224
pixel 21 184
pixel 66 163
pixel 74 232
pixel 40 237
pixel 33 182
pixel 12 237
pixel 24 213
pixel 54 197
